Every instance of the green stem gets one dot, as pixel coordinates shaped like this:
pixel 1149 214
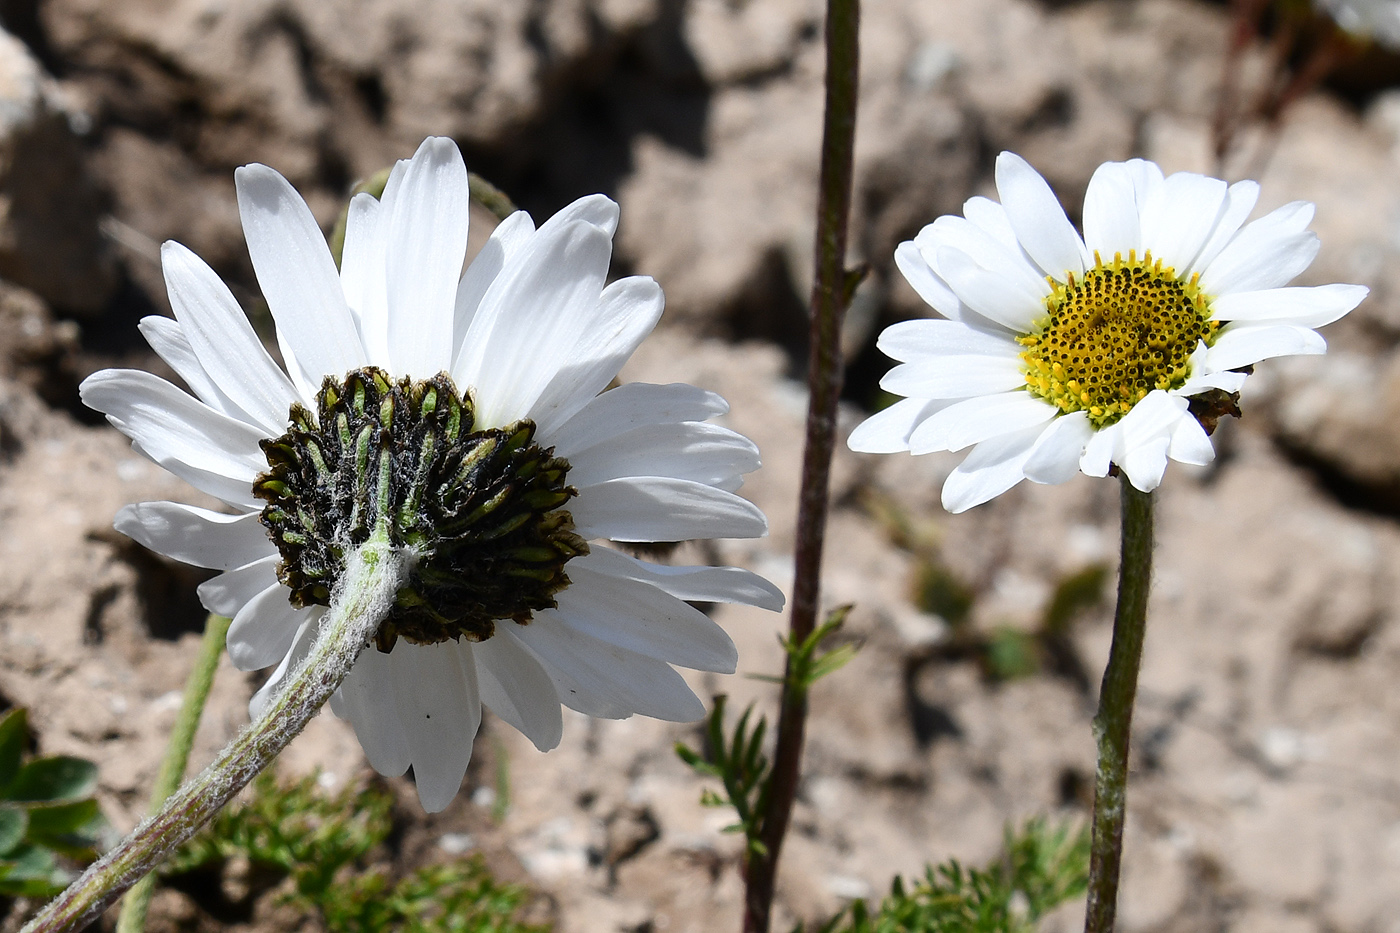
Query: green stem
pixel 1114 721
pixel 361 601
pixel 177 756
pixel 830 296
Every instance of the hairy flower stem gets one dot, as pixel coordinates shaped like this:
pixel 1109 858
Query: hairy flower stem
pixel 830 295
pixel 366 592
pixel 177 755
pixel 1114 721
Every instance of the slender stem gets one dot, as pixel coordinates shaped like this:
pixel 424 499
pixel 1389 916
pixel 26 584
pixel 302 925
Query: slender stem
pixel 177 756
pixel 824 372
pixel 361 601
pixel 1115 719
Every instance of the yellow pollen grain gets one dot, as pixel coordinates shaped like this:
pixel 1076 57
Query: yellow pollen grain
pixel 1110 337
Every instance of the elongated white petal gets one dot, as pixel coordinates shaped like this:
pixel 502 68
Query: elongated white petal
pixel 229 592
pixel 301 647
pixel 262 631
pixel 516 688
pixel 610 330
pixel 1005 262
pixel 654 508
pixel 631 406
pixel 1190 443
pixel 172 425
pixel 991 217
pixel 236 492
pixel 195 536
pixel 439 711
pixel 1111 222
pixel 1304 307
pixel 1267 253
pixel 704 453
pixel 168 339
pixel 1178 217
pixel 599 210
pixel 1242 345
pixel 363 266
pixel 1144 436
pixel 1098 452
pixel 698 584
pixel 954 377
pixel 366 698
pixel 508 237
pixel 427 244
pixel 1240 199
pixel 1016 305
pixel 933 290
pixel 1056 454
pixel 888 431
pixel 610 677
pixel 993 467
pixel 642 618
pixel 914 340
pixel 529 318
pixel 228 349
pixel 977 419
pixel 1040 223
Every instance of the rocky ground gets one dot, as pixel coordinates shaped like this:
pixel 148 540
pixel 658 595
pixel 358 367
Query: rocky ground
pixel 1264 795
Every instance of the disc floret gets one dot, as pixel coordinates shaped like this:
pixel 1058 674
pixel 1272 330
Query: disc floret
pixel 1124 329
pixel 480 509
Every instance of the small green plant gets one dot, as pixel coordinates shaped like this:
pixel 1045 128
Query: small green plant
pixel 739 761
pixel 321 842
pixel 46 811
pixel 1040 868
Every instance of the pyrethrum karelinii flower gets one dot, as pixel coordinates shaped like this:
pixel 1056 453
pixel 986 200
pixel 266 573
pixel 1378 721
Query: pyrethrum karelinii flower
pixel 465 414
pixel 1062 353
pixel 1368 19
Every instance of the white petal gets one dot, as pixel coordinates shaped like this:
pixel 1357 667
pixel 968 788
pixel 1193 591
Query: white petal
pixel 641 618
pixel 698 584
pixel 954 377
pixel 1242 345
pixel 301 647
pixel 1239 201
pixel 1305 307
pixel 602 676
pixel 1111 224
pixel 1038 219
pixel 888 431
pixel 427 244
pixel 529 318
pixel 168 339
pixel 1016 304
pixel 1098 452
pixel 229 592
pixel 1202 381
pixel 977 419
pixel 913 340
pixel 993 467
pixel 1144 435
pixel 609 331
pixel 1055 457
pixel 630 406
pixel 298 277
pixel 991 217
pixel 705 453
pixel 172 425
pixel 1190 443
pixel 516 688
pixel 363 265
pixel 262 631
pixel 224 341
pixel 1007 263
pixel 367 700
pixel 440 711
pixel 1179 216
pixel 651 508
pixel 1146 463
pixel 195 536
pixel 598 210
pixel 505 241
pixel 1269 252
pixel 933 290
pixel 236 492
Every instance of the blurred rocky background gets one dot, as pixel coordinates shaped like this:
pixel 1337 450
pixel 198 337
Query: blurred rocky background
pixel 1265 796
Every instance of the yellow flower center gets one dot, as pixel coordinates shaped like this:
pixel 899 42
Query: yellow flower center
pixel 1124 329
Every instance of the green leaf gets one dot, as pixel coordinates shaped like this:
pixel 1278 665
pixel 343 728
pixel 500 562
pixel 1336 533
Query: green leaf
pixel 13 823
pixel 74 829
pixel 59 777
pixel 31 873
pixel 13 733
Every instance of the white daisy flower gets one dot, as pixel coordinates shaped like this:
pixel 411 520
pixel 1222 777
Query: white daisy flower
pixel 1061 353
pixel 466 412
pixel 1369 19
